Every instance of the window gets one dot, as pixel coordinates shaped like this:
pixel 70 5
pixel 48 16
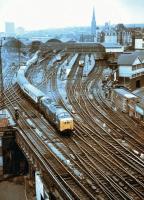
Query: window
pixel 138 84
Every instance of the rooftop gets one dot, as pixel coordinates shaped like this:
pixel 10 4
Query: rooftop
pixel 111 45
pixel 140 104
pixel 125 93
pixel 128 59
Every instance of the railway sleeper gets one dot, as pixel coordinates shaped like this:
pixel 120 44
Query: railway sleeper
pixel 116 179
pixel 66 176
pixel 134 196
pixel 92 185
pixel 129 179
pixel 132 181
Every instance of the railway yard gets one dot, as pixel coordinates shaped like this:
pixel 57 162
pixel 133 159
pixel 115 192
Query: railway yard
pixel 102 156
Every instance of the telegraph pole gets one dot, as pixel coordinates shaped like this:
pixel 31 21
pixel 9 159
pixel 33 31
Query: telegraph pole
pixel 1 78
pixel 19 52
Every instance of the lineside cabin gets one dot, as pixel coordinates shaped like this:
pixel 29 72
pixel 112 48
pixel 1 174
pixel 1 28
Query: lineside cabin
pixel 124 100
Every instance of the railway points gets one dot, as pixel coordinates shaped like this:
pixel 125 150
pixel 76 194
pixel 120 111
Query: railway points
pixel 102 158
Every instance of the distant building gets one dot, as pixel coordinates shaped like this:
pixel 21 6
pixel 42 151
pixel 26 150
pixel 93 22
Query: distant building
pixel 20 30
pixel 108 34
pixel 93 24
pixel 107 27
pixel 87 38
pixel 118 34
pixel 124 37
pixel 138 41
pixel 9 28
pixel 111 37
pixel 92 37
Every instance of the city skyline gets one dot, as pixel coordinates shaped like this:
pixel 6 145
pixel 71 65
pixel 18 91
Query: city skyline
pixel 34 15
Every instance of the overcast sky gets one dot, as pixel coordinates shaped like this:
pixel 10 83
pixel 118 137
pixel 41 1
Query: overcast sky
pixel 42 14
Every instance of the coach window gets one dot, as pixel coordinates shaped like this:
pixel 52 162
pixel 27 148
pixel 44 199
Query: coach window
pixel 138 84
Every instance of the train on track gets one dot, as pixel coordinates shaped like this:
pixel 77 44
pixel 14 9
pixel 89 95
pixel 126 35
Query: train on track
pixel 82 60
pixel 55 113
pixel 81 63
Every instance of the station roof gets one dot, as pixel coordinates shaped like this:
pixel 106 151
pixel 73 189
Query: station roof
pixel 111 45
pixel 14 43
pixel 92 46
pixel 54 40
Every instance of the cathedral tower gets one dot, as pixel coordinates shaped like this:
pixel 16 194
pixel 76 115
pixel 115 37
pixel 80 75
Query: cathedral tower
pixel 93 23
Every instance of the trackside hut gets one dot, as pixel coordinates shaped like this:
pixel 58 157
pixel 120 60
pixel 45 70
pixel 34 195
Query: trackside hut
pixel 124 100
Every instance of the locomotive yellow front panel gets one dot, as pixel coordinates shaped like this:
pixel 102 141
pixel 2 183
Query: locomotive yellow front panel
pixel 66 125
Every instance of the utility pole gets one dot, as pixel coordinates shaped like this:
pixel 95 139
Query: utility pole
pixel 19 52
pixel 1 78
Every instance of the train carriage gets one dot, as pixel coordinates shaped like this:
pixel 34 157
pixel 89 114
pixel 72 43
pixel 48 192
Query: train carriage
pixel 52 111
pixel 33 92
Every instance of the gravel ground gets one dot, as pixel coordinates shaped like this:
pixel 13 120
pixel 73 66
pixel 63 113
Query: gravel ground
pixel 12 190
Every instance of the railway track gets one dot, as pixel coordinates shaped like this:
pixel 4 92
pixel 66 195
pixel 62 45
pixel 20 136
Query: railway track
pixel 107 170
pixel 67 178
pixel 111 142
pixel 39 142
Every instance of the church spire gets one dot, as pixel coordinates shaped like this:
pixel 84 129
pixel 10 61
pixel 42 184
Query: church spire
pixel 93 23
